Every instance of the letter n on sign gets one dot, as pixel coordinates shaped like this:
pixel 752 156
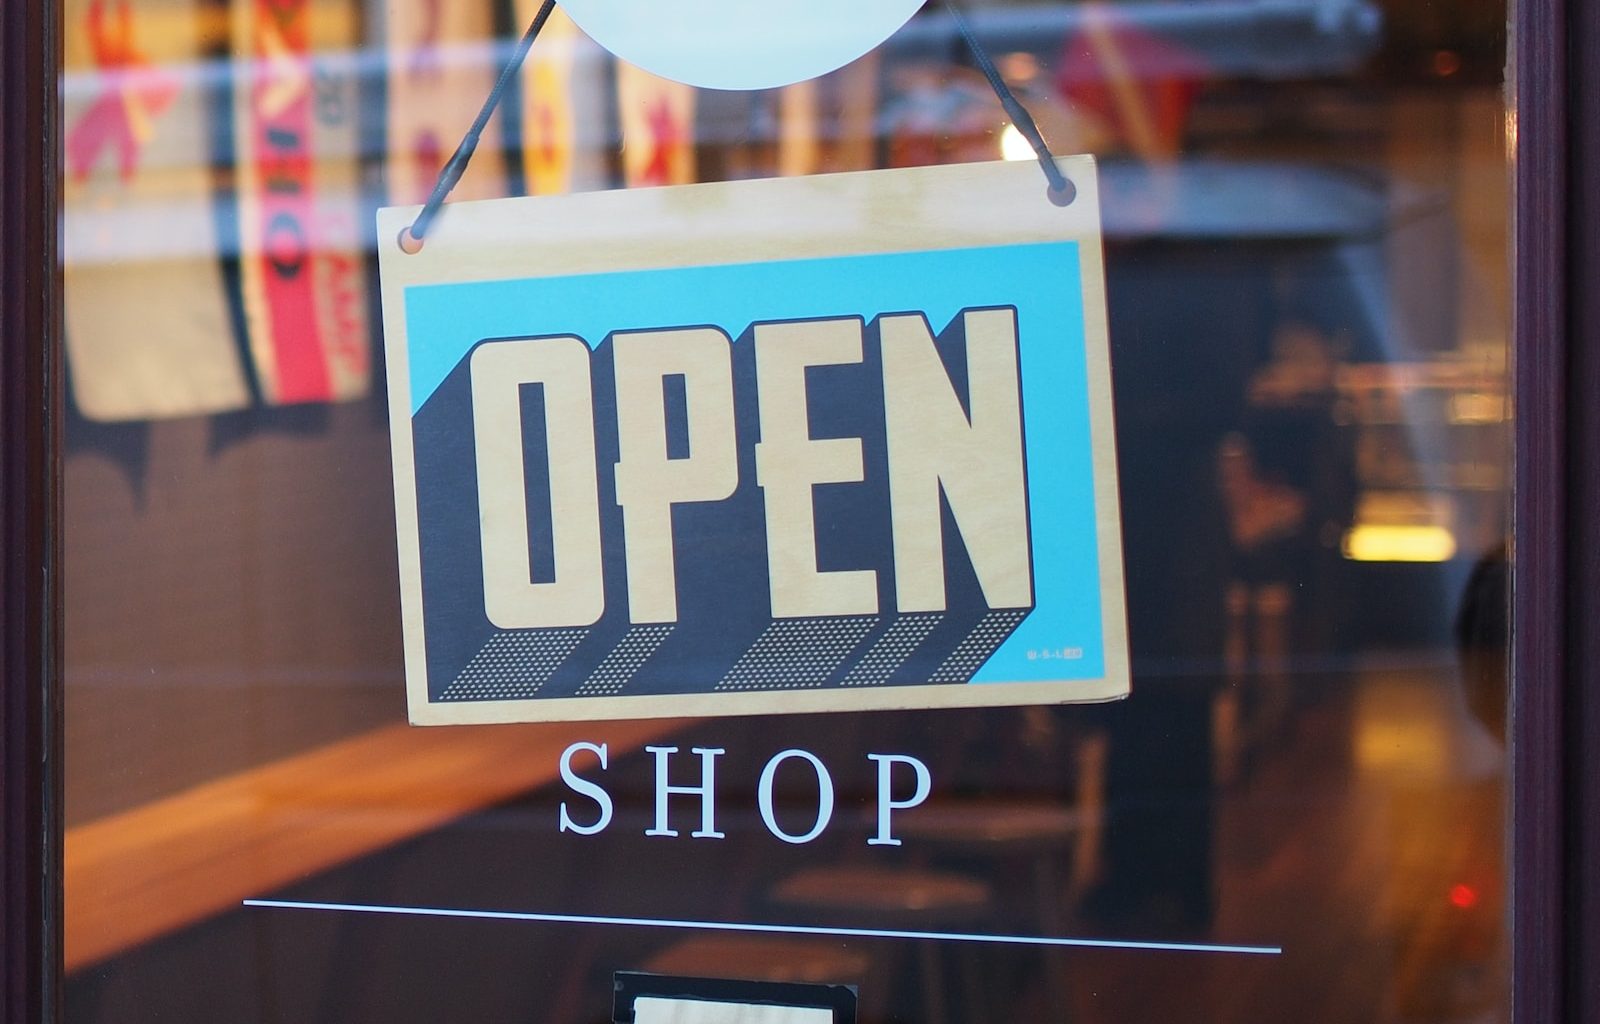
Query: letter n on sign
pixel 809 444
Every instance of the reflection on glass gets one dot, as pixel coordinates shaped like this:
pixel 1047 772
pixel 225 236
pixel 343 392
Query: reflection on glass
pixel 1306 250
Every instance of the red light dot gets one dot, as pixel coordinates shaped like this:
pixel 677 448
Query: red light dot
pixel 1463 896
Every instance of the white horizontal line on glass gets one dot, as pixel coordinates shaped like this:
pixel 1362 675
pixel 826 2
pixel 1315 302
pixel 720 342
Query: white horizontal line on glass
pixel 784 929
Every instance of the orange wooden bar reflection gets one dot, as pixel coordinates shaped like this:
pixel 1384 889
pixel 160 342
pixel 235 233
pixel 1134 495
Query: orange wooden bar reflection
pixel 143 873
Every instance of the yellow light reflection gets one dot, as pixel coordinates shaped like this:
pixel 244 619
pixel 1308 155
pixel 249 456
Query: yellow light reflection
pixel 1399 544
pixel 1014 145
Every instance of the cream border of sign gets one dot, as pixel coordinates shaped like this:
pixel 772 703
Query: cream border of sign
pixel 863 213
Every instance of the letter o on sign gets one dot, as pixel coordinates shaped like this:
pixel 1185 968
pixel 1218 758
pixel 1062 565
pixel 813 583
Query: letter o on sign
pixel 824 796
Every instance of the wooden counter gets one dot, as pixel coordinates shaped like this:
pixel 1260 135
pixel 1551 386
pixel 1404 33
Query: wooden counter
pixel 140 874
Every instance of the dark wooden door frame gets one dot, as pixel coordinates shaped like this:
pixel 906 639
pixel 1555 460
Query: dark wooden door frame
pixel 1555 721
pixel 1555 702
pixel 30 727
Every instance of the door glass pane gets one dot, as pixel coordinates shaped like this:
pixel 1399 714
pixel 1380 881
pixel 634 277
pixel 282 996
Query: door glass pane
pixel 1297 815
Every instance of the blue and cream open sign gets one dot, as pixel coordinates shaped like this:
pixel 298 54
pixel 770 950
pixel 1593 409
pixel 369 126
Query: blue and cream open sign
pixel 807 444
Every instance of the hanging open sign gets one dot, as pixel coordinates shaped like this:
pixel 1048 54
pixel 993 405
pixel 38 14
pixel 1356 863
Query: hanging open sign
pixel 807 444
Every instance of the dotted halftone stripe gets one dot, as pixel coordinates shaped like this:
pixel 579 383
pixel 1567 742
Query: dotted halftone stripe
pixel 624 661
pixel 793 654
pixel 891 650
pixel 514 664
pixel 969 655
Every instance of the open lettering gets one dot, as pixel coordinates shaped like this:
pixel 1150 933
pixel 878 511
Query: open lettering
pixel 951 441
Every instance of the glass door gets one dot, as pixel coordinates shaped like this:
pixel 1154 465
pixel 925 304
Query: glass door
pixel 1298 814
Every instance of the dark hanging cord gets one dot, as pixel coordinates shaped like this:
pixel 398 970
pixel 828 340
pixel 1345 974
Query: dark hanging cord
pixel 1062 191
pixel 450 173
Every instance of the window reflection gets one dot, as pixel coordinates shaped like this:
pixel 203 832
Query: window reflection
pixel 1304 209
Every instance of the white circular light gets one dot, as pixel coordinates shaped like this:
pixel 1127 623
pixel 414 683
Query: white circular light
pixel 740 44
